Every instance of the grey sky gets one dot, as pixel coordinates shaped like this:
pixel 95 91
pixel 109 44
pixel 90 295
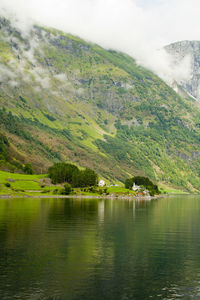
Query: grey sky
pixel 148 3
pixel 137 27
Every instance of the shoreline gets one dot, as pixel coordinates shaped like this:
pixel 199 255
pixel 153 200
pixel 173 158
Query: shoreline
pixel 124 197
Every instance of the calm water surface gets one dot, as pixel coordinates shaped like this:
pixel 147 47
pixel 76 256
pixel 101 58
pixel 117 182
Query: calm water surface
pixel 100 249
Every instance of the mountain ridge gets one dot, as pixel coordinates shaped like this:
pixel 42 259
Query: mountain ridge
pixel 64 99
pixel 180 52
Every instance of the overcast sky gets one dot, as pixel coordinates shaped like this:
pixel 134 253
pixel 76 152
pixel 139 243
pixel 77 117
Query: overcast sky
pixel 137 27
pixel 148 3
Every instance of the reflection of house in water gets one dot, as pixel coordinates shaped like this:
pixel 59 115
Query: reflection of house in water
pixel 101 207
pixel 133 209
pixel 135 187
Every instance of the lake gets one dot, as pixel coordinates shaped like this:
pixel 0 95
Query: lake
pixel 100 249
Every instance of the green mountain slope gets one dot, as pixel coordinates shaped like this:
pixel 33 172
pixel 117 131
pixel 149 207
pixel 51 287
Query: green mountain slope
pixel 65 99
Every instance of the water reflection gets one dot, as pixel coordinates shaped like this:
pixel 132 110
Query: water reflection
pixel 94 249
pixel 101 209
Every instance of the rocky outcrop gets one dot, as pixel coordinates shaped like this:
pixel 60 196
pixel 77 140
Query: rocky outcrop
pixel 187 52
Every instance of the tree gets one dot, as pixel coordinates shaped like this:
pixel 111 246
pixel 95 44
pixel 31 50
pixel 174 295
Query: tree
pixel 62 172
pixel 28 169
pixel 77 179
pixel 90 177
pixel 84 178
pixel 129 183
pixel 4 144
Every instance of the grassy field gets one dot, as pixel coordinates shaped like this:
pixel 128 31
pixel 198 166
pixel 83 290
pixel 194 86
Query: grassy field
pixel 119 190
pixel 12 183
pixel 4 176
pixel 170 190
pixel 20 184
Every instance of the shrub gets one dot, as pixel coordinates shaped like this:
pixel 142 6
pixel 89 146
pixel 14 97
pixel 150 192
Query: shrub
pixel 67 189
pixel 56 191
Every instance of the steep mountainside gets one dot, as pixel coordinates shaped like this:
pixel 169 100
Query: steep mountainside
pixel 65 99
pixel 187 51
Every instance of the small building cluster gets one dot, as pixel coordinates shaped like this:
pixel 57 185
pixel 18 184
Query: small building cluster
pixel 101 183
pixel 135 187
pixel 140 191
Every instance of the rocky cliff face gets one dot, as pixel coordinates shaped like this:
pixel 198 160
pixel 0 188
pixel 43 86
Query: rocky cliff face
pixel 186 56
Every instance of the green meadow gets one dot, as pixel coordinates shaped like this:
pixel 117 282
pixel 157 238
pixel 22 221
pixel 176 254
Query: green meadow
pixel 14 184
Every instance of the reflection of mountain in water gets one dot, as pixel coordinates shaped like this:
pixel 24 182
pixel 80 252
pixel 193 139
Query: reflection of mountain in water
pixel 99 249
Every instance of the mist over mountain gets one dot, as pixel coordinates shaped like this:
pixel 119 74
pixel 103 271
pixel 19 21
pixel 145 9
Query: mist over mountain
pixel 130 26
pixel 187 55
pixel 64 99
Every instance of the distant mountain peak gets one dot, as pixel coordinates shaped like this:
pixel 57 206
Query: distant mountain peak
pixel 186 55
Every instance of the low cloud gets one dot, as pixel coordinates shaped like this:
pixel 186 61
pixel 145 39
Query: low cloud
pixel 138 30
pixel 6 74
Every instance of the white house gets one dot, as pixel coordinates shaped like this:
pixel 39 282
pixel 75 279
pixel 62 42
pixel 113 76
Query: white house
pixel 135 187
pixel 101 183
